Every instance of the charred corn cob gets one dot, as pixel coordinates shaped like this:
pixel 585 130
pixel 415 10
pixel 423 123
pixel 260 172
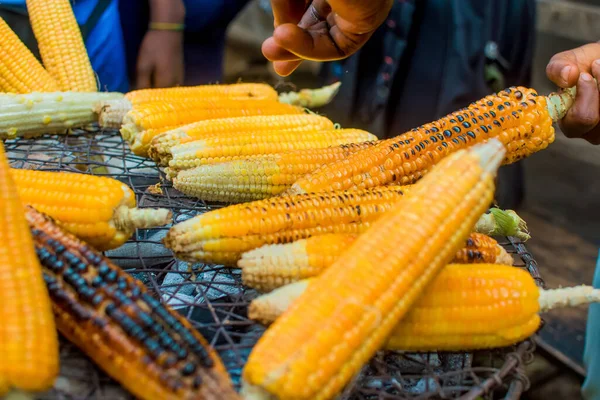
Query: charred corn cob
pixel 465 308
pixel 518 117
pixel 160 148
pixel 61 45
pixel 28 340
pixel 113 112
pixel 102 211
pixel 150 349
pixel 222 236
pixel 350 310
pixel 40 113
pixel 224 148
pixel 258 177
pixel 167 116
pixel 20 71
pixel 274 265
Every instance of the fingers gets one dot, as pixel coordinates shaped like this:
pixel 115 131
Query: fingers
pixel 585 112
pixel 285 68
pixel 314 44
pixel 288 11
pixel 273 52
pixel 143 75
pixel 564 68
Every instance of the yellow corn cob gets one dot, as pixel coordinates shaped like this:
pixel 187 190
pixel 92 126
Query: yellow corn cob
pixel 39 113
pixel 113 112
pixel 350 310
pixel 465 308
pixel 99 210
pixel 149 348
pixel 518 117
pixel 171 115
pixel 61 45
pixel 257 177
pixel 160 148
pixel 222 236
pixel 274 265
pixel 20 71
pixel 28 340
pixel 229 147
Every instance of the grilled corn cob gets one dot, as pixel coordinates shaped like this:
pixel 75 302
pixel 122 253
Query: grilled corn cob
pixel 518 117
pixel 40 113
pixel 222 236
pixel 150 349
pixel 465 308
pixel 28 340
pixel 275 265
pixel 257 177
pixel 20 71
pixel 160 148
pixel 224 148
pixel 113 112
pixel 166 116
pixel 61 45
pixel 99 210
pixel 349 311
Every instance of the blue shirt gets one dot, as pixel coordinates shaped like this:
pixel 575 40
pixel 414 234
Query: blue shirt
pixel 104 43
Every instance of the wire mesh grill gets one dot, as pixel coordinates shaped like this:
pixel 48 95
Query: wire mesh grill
pixel 215 301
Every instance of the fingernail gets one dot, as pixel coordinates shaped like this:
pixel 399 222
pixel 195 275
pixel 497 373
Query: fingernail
pixel 597 62
pixel 564 73
pixel 585 77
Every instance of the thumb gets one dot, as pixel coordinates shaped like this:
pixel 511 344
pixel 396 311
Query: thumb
pixel 564 68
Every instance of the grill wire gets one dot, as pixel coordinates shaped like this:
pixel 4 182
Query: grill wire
pixel 215 301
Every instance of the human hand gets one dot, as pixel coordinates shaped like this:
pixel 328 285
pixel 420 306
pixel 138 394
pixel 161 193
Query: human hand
pixel 578 67
pixel 321 30
pixel 160 60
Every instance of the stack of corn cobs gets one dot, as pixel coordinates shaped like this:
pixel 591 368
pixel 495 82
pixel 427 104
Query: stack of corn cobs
pixel 356 244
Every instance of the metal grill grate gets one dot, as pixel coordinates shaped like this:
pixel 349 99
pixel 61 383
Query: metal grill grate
pixel 213 298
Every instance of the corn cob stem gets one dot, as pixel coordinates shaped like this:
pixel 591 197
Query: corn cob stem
pixel 349 312
pixel 147 347
pixel 568 297
pixel 40 113
pixel 130 219
pixel 503 223
pixel 558 104
pixel 311 98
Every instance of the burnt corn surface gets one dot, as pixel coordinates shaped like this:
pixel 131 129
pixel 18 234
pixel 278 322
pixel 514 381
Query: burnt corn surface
pixel 147 347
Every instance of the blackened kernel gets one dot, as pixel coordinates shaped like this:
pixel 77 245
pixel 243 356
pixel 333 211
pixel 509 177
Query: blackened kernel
pixel 471 134
pixel 434 129
pixel 474 120
pixel 103 269
pixel 456 129
pixel 395 145
pixel 97 281
pixel 122 284
pixel 455 140
pixel 433 139
pixel 110 309
pixel 501 119
pixel 462 137
pixel 188 369
pixel 441 137
pixel 500 107
pixel 497 123
pixel 445 144
pixel 99 322
pixel 524 104
pixel 135 292
pixel 427 131
pixel 452 121
pixel 486 115
pixel 182 354
pixel 406 155
pixel 97 299
pixel 412 152
pixel 490 103
pixel 81 267
pixel 471 113
pixel 507 104
pixel 466 124
pixel 493 114
pixel 483 128
pixel 515 114
pixel 197 382
pixel 460 118
pixel 111 276
pixel 170 361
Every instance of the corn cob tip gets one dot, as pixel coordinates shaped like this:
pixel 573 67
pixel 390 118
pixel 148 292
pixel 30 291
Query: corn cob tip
pixel 311 98
pixel 265 309
pixel 568 297
pixel 253 392
pixel 111 112
pixel 558 104
pixel 504 258
pixel 490 153
pixel 129 219
pixel 500 222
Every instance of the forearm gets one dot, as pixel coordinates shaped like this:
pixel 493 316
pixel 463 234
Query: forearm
pixel 171 11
